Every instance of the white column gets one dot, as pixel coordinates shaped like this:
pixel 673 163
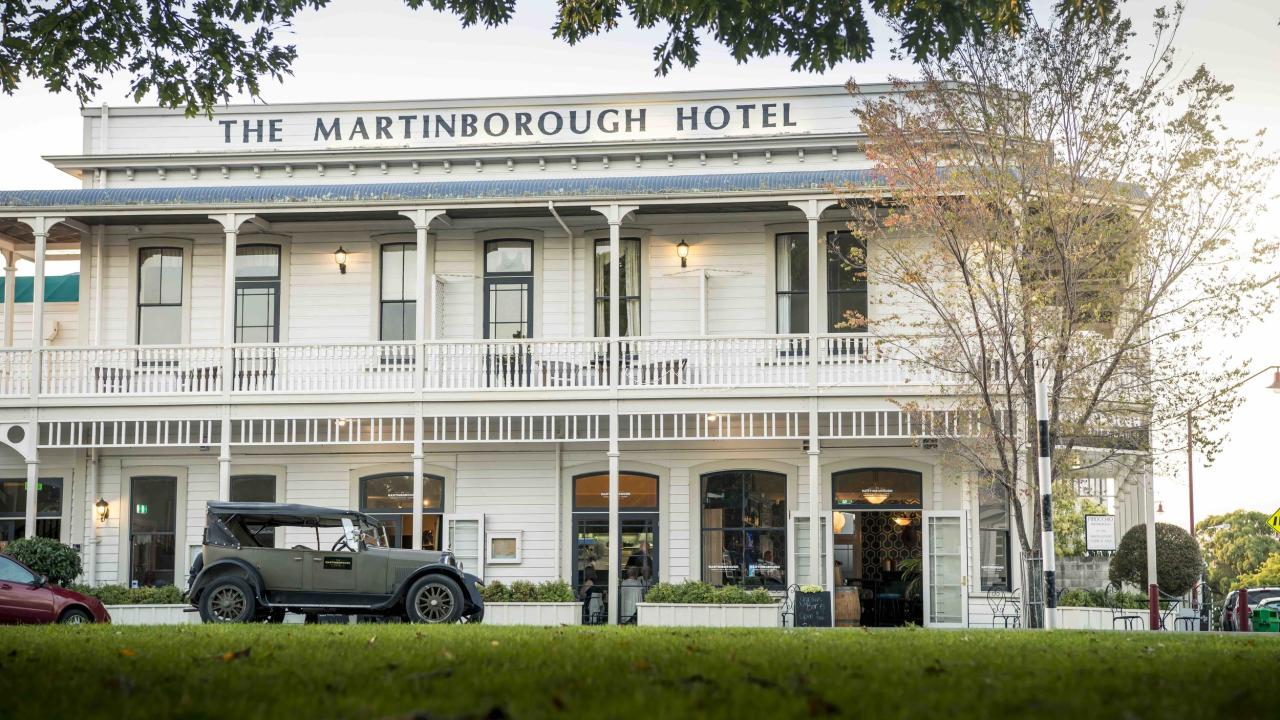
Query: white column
pixel 417 480
pixel 91 512
pixel 613 215
pixel 816 536
pixel 10 279
pixel 230 228
pixel 1149 513
pixel 33 483
pixel 816 254
pixel 224 459
pixel 39 229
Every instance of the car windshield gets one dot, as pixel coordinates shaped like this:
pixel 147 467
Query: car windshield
pixel 372 534
pixel 1257 596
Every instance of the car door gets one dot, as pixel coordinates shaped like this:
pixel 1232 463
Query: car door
pixel 331 571
pixel 281 568
pixel 21 601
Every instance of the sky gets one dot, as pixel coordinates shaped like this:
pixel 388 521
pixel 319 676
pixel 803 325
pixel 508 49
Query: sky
pixel 380 50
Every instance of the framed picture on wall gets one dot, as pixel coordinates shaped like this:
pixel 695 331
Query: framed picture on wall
pixel 504 548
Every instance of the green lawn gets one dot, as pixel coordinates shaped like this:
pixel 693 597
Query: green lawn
pixel 402 671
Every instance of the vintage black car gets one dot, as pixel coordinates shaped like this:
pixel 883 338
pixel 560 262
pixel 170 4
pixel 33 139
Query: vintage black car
pixel 338 562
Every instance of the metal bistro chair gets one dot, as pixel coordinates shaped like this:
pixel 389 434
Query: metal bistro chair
pixel 1171 608
pixel 788 609
pixel 1129 617
pixel 1006 607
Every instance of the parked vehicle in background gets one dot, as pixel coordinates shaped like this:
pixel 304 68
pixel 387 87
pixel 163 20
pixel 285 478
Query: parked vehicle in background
pixel 339 562
pixel 1256 595
pixel 27 597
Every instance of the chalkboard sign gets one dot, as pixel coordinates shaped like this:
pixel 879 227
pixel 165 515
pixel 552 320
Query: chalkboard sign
pixel 813 609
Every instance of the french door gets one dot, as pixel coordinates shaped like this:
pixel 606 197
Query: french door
pixel 946 602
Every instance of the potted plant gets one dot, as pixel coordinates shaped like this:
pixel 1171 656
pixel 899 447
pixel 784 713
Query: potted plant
pixel 813 606
pixel 693 603
pixel 525 603
pixel 143 605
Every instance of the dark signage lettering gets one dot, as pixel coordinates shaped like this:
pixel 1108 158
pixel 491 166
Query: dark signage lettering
pixel 523 123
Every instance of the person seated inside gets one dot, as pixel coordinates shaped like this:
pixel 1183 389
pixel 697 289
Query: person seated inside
pixel 630 595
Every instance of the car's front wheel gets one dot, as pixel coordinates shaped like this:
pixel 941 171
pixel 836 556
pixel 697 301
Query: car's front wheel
pixel 75 616
pixel 434 599
pixel 227 600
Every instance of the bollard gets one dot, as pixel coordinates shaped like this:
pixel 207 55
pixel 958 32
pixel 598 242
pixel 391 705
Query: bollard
pixel 1153 607
pixel 1242 610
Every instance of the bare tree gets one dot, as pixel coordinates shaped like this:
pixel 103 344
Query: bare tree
pixel 1052 209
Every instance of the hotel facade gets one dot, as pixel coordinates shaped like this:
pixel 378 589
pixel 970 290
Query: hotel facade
pixel 406 308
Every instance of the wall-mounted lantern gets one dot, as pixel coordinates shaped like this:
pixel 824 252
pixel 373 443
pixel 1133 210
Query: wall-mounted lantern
pixel 340 257
pixel 102 509
pixel 683 251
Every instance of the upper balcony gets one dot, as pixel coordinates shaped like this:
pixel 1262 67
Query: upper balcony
pixel 645 366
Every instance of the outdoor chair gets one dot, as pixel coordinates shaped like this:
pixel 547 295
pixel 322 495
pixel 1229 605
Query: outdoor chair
pixel 1128 617
pixel 1006 607
pixel 1171 607
pixel 594 609
pixel 665 372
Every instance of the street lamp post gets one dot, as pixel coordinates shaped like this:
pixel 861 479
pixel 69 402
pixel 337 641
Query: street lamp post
pixel 1191 492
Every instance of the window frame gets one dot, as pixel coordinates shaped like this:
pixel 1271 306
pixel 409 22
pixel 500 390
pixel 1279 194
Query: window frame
pixel 434 510
pixel 408 334
pixel 986 534
pixel 498 277
pixel 275 282
pixel 834 265
pixel 779 292
pixel 743 529
pixel 624 300
pixel 45 516
pixel 181 304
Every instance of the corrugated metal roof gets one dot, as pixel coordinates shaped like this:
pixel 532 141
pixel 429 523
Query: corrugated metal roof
pixel 584 187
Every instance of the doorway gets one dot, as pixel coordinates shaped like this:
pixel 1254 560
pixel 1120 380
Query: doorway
pixel 877 542
pixel 637 556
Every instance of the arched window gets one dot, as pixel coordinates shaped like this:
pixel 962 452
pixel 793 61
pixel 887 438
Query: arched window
pixel 389 498
pixel 744 528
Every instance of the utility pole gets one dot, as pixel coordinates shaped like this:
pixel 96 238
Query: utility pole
pixel 1046 505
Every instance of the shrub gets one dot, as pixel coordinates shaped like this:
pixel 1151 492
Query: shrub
pixel 700 593
pixel 121 595
pixel 60 563
pixel 1178 559
pixel 523 591
pixel 1099 599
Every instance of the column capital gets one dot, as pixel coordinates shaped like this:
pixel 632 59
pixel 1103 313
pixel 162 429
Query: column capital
pixel 40 224
pixel 813 207
pixel 615 214
pixel 422 217
pixel 231 221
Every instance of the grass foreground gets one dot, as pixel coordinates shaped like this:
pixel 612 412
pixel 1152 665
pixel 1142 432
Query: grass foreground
pixel 405 671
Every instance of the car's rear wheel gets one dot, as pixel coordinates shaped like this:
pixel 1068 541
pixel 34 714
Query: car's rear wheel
pixel 227 600
pixel 434 599
pixel 75 616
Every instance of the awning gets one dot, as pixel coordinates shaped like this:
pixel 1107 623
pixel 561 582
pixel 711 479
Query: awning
pixel 57 288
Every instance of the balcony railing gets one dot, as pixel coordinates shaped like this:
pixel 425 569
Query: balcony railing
pixel 763 361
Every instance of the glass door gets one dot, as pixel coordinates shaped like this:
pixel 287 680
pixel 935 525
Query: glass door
pixel 946 604
pixel 153 506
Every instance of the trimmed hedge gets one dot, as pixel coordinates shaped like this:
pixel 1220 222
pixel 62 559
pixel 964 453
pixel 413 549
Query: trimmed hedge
pixel 1099 599
pixel 523 591
pixel 1178 559
pixel 60 563
pixel 700 593
pixel 121 595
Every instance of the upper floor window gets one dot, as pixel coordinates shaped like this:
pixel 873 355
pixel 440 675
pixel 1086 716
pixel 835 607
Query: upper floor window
pixel 508 289
pixel 628 279
pixel 160 296
pixel 399 295
pixel 846 270
pixel 258 294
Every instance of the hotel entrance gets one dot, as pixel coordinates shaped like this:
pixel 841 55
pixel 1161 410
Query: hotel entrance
pixel 637 558
pixel 877 534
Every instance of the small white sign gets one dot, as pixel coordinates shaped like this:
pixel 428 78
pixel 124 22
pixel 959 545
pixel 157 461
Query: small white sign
pixel 1099 532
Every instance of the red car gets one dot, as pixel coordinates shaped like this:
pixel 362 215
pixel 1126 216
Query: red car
pixel 26 597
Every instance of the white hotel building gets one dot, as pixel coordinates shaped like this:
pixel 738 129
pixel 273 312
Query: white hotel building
pixel 404 308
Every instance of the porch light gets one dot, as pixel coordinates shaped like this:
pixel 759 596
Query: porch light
pixel 682 250
pixel 876 495
pixel 340 257
pixel 1275 382
pixel 902 520
pixel 102 509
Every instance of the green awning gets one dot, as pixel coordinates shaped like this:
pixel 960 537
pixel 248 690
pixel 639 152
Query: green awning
pixel 57 288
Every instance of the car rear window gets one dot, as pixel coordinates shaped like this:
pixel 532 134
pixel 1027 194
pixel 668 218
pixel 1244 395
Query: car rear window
pixel 1257 596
